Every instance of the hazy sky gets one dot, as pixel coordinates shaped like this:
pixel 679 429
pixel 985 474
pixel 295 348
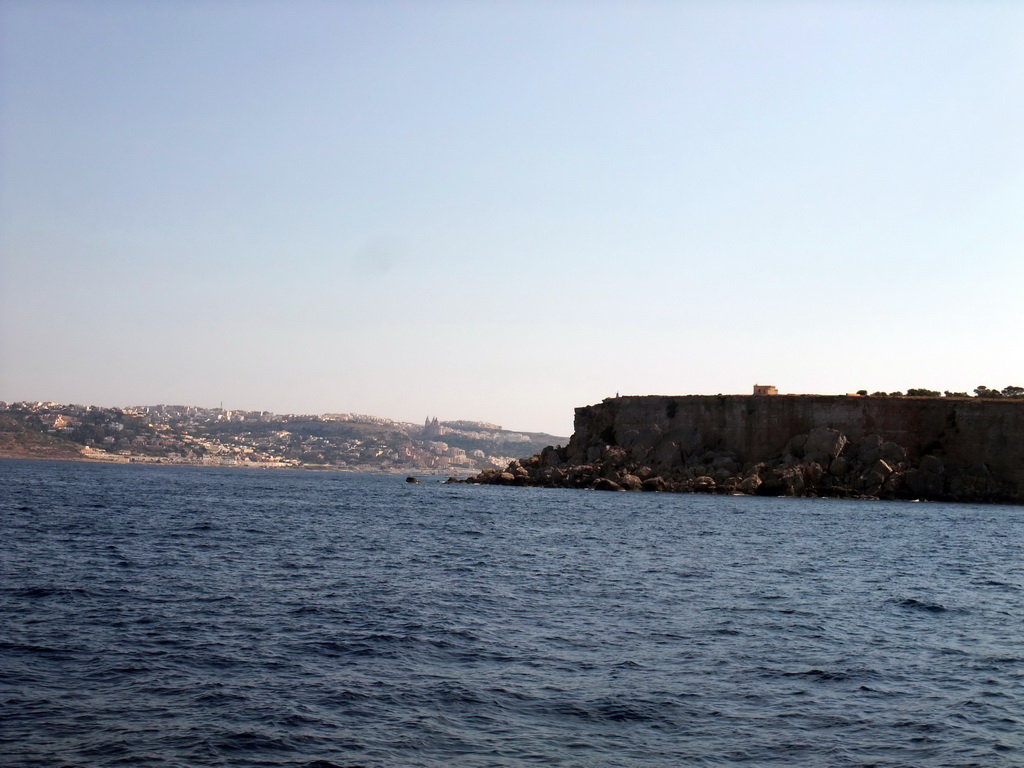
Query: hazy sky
pixel 503 210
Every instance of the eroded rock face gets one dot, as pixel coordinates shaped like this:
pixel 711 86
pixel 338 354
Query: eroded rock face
pixel 851 447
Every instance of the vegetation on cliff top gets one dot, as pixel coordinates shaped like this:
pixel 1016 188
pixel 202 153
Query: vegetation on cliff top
pixel 982 391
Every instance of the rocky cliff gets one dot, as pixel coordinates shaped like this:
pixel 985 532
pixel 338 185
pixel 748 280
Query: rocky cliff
pixel 802 445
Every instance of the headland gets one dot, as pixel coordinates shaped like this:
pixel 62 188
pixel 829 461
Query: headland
pixel 853 446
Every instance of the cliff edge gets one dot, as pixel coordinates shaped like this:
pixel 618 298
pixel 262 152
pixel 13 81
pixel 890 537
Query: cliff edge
pixel 789 445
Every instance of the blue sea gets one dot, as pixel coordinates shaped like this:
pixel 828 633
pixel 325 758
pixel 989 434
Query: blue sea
pixel 174 616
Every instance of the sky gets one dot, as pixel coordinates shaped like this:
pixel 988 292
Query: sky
pixel 505 210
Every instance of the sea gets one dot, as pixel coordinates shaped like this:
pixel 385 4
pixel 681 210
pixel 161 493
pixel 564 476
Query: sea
pixel 188 616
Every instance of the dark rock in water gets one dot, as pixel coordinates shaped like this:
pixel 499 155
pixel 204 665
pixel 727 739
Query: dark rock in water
pixel 412 480
pixel 604 484
pixel 631 483
pixel 704 484
pixel 655 484
pixel 452 481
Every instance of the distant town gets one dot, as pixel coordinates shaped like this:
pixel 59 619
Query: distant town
pixel 181 434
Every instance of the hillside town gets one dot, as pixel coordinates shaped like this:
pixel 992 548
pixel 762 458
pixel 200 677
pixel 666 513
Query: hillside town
pixel 180 434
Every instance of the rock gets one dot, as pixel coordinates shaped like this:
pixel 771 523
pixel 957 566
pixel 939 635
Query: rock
pixel 645 473
pixel 839 466
pixel 727 463
pixel 870 482
pixel 892 453
pixel 813 473
pixel 604 484
pixel 882 468
pixel 506 478
pixel 750 483
pixel 772 483
pixel 632 483
pixel 551 457
pixel 893 486
pixel 452 481
pixel 731 484
pixel 869 449
pixel 412 480
pixel 721 475
pixel 485 477
pixel 654 484
pixel 795 446
pixel 793 481
pixel 823 440
pixel 613 456
pixel 704 484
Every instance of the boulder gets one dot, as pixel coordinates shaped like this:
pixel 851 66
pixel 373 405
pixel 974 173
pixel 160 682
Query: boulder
pixel 654 484
pixel 632 483
pixel 731 484
pixel 823 440
pixel 813 473
pixel 721 475
pixel 704 484
pixel 793 481
pixel 551 457
pixel 645 473
pixel 839 466
pixel 893 453
pixel 727 463
pixel 614 456
pixel 795 446
pixel 604 484
pixel 869 449
pixel 750 483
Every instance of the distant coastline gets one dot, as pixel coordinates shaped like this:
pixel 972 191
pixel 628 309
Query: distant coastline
pixel 214 437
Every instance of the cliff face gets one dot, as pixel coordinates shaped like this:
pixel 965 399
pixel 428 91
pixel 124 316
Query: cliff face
pixel 939 448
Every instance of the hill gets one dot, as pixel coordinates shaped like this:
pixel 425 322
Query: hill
pixel 211 436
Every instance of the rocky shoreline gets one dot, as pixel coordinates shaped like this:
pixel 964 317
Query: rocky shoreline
pixel 822 462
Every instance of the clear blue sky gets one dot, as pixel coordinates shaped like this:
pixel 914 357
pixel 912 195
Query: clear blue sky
pixel 503 210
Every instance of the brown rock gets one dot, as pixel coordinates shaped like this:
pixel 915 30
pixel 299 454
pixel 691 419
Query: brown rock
pixel 704 484
pixel 750 483
pixel 654 484
pixel 632 483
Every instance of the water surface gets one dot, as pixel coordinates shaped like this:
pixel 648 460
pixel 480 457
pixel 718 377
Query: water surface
pixel 172 616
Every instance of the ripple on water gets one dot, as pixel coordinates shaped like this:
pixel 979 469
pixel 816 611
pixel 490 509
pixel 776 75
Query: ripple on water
pixel 180 617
